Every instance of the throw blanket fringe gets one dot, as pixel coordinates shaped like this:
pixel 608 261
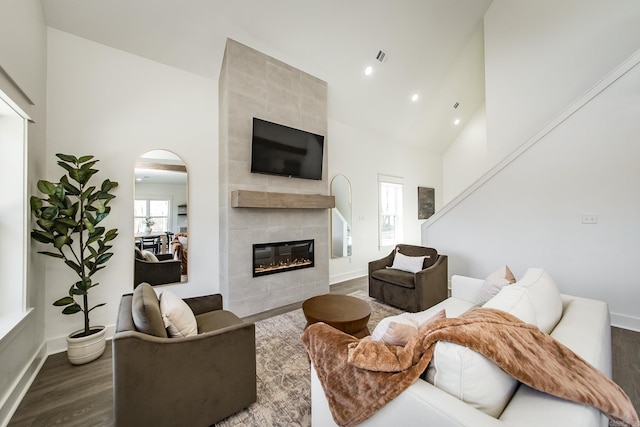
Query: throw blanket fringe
pixel 360 376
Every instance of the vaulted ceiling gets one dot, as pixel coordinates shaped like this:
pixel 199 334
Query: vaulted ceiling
pixel 434 48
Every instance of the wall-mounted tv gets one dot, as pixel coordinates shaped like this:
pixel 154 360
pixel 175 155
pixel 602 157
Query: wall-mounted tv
pixel 281 150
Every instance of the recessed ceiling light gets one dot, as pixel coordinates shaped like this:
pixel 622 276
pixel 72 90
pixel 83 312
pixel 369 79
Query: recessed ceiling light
pixel 456 122
pixel 414 97
pixel 368 71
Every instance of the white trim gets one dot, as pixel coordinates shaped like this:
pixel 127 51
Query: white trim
pixel 625 322
pixel 390 178
pixel 14 106
pixel 347 276
pixel 574 107
pixel 59 344
pixel 17 391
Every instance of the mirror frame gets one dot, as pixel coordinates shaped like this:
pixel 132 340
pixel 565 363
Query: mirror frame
pixel 349 219
pixel 176 205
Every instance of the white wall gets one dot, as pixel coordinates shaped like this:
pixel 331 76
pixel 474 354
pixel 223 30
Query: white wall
pixel 116 106
pixel 541 55
pixel 529 213
pixel 23 48
pixel 360 156
pixel 466 158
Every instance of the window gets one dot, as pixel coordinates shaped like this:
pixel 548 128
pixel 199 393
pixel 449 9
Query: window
pixel 14 213
pixel 157 210
pixel 390 209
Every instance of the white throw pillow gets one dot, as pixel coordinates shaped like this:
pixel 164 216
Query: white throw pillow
pixel 544 295
pixel 178 317
pixel 495 282
pixel 394 330
pixel 412 264
pixel 183 241
pixel 514 301
pixel 149 256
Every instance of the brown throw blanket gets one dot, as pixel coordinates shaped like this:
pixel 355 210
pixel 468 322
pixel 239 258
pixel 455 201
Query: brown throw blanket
pixel 360 376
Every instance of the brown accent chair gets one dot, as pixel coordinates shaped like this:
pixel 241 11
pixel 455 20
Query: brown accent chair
pixel 409 291
pixel 189 381
pixel 165 270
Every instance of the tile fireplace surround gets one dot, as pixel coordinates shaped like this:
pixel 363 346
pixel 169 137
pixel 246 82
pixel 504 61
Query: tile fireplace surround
pixel 253 84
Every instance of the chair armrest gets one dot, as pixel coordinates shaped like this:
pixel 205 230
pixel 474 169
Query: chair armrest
pixel 431 283
pixel 381 263
pixel 204 304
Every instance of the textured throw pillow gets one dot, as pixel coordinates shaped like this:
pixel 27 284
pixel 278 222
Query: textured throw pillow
pixel 178 317
pixel 399 329
pixel 495 282
pixel 412 264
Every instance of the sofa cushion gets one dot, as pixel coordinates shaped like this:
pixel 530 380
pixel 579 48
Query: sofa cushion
pixel 544 296
pixel 145 310
pixel 178 318
pixel 513 300
pixel 543 306
pixel 412 264
pixel 217 319
pixel 495 282
pixel 470 377
pixel 396 277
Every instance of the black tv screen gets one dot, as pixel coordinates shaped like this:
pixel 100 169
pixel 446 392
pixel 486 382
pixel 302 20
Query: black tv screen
pixel 281 150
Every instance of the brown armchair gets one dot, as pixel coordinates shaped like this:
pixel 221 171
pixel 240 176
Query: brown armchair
pixel 190 381
pixel 409 291
pixel 164 270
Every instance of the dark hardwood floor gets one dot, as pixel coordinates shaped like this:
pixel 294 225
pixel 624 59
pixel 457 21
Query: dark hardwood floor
pixel 63 394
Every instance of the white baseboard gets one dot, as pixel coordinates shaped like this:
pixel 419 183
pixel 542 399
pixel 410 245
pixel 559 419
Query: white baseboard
pixel 21 385
pixel 347 276
pixel 625 322
pixel 59 344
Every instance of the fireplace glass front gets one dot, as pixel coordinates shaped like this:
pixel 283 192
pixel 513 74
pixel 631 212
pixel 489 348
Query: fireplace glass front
pixel 270 258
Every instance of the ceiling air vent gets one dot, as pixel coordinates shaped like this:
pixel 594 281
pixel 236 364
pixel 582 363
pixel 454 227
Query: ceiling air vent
pixel 382 56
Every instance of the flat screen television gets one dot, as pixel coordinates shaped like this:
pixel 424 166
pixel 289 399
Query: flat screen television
pixel 281 150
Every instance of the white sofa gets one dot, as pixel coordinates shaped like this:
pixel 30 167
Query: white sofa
pixel 477 387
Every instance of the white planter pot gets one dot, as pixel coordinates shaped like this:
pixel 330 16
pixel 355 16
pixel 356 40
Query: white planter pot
pixel 85 349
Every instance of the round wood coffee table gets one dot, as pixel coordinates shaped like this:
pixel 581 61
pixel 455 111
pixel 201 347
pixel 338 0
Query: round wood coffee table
pixel 344 312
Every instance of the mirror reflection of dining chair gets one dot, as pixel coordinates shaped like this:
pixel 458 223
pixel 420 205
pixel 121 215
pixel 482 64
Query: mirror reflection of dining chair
pixel 154 244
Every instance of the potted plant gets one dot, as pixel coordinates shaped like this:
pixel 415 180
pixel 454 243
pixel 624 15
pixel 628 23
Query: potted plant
pixel 148 222
pixel 68 219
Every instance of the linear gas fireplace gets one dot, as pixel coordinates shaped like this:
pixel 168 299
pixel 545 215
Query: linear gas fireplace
pixel 270 258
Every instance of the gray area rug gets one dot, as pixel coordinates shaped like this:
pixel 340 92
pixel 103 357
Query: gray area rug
pixel 284 390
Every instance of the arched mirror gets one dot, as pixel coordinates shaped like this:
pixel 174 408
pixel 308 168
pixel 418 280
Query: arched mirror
pixel 160 219
pixel 341 217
